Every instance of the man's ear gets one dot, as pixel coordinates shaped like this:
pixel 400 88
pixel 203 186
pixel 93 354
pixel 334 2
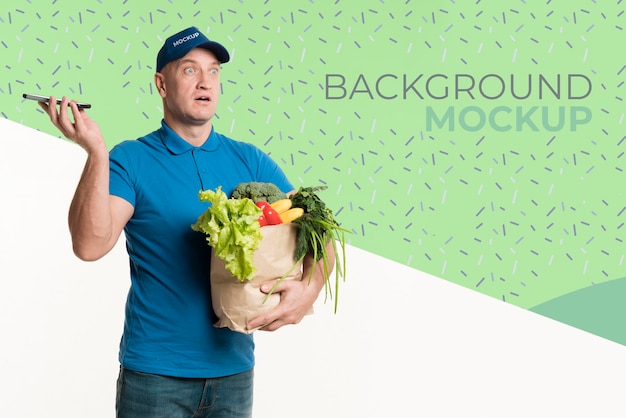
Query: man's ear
pixel 159 82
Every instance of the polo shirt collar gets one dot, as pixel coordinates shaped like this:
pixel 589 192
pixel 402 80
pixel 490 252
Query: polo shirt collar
pixel 176 145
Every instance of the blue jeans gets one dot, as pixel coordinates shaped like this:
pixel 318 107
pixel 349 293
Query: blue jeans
pixel 142 395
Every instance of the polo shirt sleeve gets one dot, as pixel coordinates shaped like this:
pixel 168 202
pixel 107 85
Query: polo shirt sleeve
pixel 270 172
pixel 120 181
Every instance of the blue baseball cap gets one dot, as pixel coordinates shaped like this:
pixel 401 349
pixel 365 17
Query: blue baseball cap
pixel 178 45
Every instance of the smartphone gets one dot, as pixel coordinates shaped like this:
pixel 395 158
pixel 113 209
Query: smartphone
pixel 46 98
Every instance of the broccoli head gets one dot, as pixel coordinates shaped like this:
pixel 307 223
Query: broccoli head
pixel 257 191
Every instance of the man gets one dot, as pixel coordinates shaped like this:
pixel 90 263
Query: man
pixel 174 363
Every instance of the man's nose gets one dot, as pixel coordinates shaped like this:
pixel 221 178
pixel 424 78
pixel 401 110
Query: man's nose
pixel 204 80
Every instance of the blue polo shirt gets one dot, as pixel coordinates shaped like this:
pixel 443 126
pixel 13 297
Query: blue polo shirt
pixel 168 327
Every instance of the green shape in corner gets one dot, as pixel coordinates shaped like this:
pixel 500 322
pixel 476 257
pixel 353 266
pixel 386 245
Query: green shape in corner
pixel 597 309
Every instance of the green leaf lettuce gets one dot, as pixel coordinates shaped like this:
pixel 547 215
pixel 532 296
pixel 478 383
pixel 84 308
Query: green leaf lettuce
pixel 233 230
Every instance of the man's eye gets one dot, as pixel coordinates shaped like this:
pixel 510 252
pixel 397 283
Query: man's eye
pixel 213 71
pixel 189 70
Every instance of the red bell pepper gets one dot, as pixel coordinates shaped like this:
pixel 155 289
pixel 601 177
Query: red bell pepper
pixel 269 216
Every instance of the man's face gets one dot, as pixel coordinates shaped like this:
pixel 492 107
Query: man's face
pixel 190 87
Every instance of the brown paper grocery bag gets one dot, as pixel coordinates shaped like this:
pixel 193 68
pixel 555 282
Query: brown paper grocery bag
pixel 235 302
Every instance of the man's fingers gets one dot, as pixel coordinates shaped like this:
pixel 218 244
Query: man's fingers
pixel 44 106
pixel 66 125
pixel 51 110
pixel 268 326
pixel 258 322
pixel 78 120
pixel 64 117
pixel 265 321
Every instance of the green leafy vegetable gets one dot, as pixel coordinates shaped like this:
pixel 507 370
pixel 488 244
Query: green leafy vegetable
pixel 257 191
pixel 232 229
pixel 318 227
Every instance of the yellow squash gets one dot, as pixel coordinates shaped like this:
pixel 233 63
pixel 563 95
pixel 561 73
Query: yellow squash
pixel 281 205
pixel 291 214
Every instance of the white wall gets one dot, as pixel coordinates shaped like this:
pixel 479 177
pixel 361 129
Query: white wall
pixel 403 343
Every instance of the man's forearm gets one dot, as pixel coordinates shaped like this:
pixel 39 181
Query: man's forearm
pixel 90 211
pixel 316 273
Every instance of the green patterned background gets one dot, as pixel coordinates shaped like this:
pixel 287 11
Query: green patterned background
pixel 525 209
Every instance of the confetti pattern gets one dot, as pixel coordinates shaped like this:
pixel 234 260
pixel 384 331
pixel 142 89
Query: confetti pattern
pixel 522 205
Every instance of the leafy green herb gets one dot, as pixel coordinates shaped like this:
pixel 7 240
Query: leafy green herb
pixel 318 227
pixel 232 229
